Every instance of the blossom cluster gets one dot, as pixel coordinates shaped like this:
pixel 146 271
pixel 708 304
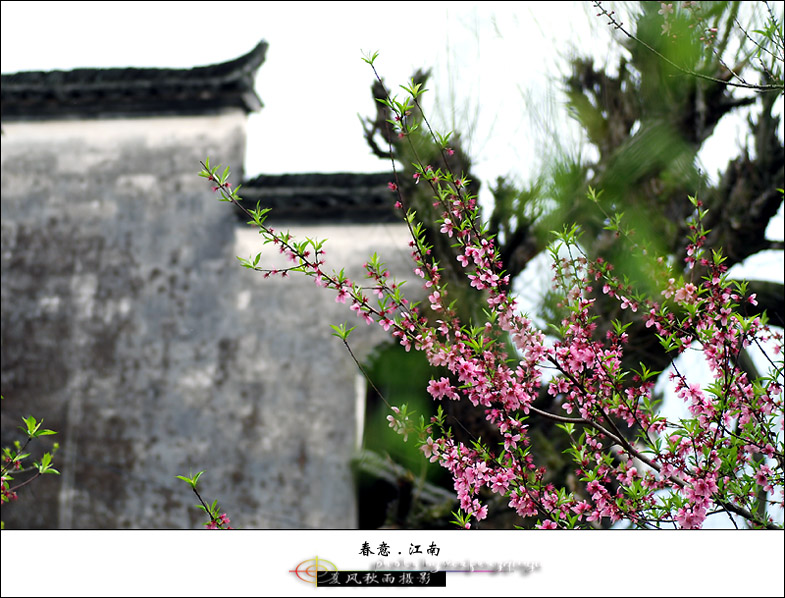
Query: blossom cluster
pixel 222 522
pixel 633 464
pixel 15 461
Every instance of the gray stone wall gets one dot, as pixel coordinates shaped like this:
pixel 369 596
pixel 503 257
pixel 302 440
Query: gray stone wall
pixel 130 327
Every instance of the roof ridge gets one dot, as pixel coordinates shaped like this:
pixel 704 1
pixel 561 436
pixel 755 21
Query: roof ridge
pixel 323 197
pixel 126 91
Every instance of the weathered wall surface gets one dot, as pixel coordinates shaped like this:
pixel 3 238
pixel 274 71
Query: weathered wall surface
pixel 129 326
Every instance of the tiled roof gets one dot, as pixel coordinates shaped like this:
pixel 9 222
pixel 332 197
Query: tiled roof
pixel 338 197
pixel 118 92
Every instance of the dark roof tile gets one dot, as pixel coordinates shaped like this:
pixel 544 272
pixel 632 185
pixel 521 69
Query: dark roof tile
pixel 118 92
pixel 312 197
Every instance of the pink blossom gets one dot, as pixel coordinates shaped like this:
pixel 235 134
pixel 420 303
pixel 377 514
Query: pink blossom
pixel 511 441
pixel 631 475
pixel 430 449
pixel 557 387
pixel 481 513
pixel 691 518
pixel 625 303
pixel 703 487
pixel 447 228
pixel 762 477
pixel 466 369
pixel 686 294
pixel 435 299
pixel 581 508
pixel 442 388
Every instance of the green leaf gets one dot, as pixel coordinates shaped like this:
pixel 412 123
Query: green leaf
pixel 45 465
pixel 32 428
pixel 370 58
pixel 341 332
pixel 192 481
